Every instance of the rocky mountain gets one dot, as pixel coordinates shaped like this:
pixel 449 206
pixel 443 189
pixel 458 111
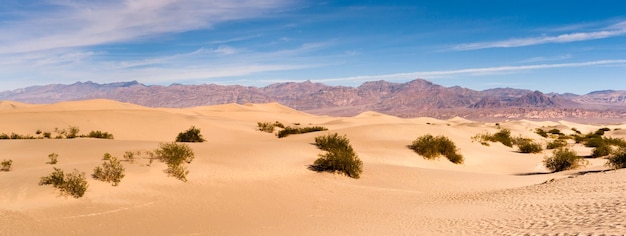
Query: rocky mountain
pixel 410 99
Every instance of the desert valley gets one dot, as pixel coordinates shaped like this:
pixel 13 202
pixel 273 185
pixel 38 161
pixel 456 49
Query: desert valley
pixel 247 182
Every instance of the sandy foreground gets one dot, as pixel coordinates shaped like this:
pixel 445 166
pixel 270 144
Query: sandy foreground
pixel 247 182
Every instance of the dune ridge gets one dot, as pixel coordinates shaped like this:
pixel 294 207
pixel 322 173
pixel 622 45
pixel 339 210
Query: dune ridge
pixel 247 182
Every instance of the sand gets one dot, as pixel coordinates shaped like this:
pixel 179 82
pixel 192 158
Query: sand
pixel 247 182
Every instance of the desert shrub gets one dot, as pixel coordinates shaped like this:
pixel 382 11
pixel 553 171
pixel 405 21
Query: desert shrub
pixel 129 156
pixel 528 146
pixel 601 131
pixel 576 131
pixel 6 165
pixel 53 158
pixel 107 156
pixel 73 184
pixel 620 142
pixel 99 134
pixel 290 130
pixel 555 131
pixel 266 127
pixel 541 133
pixel 617 160
pixel 431 147
pixel 331 141
pixel 47 134
pixel 503 136
pixel 595 142
pixel 4 136
pixel 175 155
pixel 111 171
pixel 600 151
pixel 192 135
pixel 279 125
pixel 563 159
pixel 339 156
pixel 72 132
pixel 554 144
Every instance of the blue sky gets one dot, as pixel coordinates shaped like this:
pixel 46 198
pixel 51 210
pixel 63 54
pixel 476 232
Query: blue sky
pixel 551 46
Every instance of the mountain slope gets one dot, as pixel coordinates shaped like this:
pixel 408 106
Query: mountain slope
pixel 414 98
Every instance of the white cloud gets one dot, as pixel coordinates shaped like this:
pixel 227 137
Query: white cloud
pixel 87 23
pixel 554 58
pixel 614 30
pixel 472 71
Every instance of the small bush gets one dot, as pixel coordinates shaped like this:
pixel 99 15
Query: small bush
pixel 431 147
pixel 554 144
pixel 576 131
pixel 617 160
pixel 100 134
pixel 107 156
pixel 555 131
pixel 266 127
pixel 339 156
pixel 600 151
pixel 528 146
pixel 289 130
pixel 541 133
pixel 47 134
pixel 72 132
pixel 563 159
pixel 111 171
pixel 6 165
pixel 175 155
pixel 503 136
pixel 73 184
pixel 53 157
pixel 192 135
pixel 129 156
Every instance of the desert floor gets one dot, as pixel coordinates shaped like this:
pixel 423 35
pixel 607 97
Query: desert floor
pixel 247 182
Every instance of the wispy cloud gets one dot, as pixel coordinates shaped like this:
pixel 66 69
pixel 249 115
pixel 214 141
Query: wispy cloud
pixel 472 71
pixel 87 23
pixel 614 30
pixel 554 58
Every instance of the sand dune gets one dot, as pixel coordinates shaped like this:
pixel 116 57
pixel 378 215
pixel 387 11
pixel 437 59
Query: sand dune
pixel 246 182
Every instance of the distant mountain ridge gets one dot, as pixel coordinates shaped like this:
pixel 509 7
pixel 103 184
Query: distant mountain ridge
pixel 411 99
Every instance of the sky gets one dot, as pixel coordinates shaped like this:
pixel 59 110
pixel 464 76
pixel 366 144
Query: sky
pixel 546 45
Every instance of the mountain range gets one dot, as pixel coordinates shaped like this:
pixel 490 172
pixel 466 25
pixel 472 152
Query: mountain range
pixel 411 99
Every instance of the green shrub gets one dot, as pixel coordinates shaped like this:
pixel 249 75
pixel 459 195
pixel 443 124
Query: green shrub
pixel 331 141
pixel 554 144
pixel 431 147
pixel 192 135
pixel 503 136
pixel 528 146
pixel 6 165
pixel 266 127
pixel 600 151
pixel 111 171
pixel 53 157
pixel 339 156
pixel 175 155
pixel 563 159
pixel 289 130
pixel 72 132
pixel 129 156
pixel 73 184
pixel 617 160
pixel 100 134
pixel 555 131
pixel 541 133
